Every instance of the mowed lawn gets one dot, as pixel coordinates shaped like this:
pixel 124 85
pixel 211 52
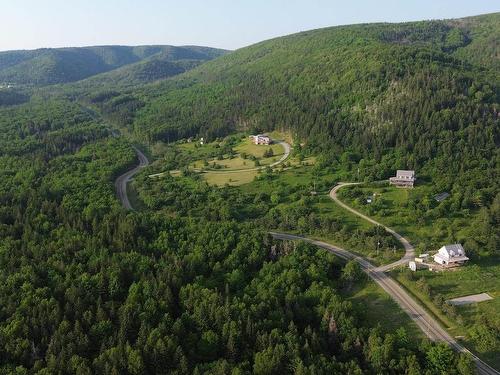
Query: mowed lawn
pixel 238 162
pixel 248 147
pixel 235 163
pixel 231 179
pixel 237 170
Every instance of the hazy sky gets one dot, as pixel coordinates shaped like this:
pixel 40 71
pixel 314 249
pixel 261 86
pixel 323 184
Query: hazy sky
pixel 27 24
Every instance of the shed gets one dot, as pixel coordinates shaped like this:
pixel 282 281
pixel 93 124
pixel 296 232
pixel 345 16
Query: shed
pixel 441 196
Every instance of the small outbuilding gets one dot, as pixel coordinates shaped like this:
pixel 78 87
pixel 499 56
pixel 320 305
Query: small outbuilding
pixel 451 255
pixel 441 196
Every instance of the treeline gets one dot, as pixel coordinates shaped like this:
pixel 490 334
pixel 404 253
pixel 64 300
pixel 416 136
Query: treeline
pixel 48 66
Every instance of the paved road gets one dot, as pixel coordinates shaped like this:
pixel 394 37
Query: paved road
pixel 409 249
pixel 418 314
pixel 122 181
pixel 285 156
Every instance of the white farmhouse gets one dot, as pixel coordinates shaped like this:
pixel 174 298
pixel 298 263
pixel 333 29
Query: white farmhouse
pixel 451 255
pixel 261 139
pixel 403 178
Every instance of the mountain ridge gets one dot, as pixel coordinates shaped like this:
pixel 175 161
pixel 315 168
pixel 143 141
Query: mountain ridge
pixel 46 66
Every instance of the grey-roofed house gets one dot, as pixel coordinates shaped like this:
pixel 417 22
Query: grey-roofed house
pixel 404 178
pixel 451 255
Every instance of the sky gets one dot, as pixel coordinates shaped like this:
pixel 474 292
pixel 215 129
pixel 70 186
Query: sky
pixel 230 24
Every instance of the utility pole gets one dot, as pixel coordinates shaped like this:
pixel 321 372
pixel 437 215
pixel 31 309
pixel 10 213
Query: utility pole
pixel 378 244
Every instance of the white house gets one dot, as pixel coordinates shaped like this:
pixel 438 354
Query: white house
pixel 261 139
pixel 403 178
pixel 451 255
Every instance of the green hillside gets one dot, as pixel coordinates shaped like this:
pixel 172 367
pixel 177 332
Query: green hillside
pixel 148 70
pixel 324 79
pixel 61 65
pixel 396 96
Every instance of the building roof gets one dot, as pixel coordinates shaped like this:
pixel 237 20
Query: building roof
pixel 453 250
pixel 442 196
pixel 402 172
pixel 454 259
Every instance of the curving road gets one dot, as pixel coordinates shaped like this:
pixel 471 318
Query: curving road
pixel 417 313
pixel 285 156
pixel 409 249
pixel 122 181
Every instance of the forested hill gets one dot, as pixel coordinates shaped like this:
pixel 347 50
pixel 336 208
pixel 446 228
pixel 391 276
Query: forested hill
pixel 62 65
pixel 410 95
pixel 344 84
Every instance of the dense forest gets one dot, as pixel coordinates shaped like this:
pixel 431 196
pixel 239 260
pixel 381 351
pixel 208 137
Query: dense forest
pixel 87 288
pixel 193 284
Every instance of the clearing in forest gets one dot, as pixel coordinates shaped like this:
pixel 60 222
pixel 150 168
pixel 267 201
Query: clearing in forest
pixel 234 162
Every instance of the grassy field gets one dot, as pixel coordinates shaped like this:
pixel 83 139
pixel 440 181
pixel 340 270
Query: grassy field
pixel 281 136
pixel 233 161
pixel 328 208
pixel 237 162
pixel 231 179
pixel 297 173
pixel 295 182
pixel 258 150
pixel 394 207
pixel 380 309
pixel 237 169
